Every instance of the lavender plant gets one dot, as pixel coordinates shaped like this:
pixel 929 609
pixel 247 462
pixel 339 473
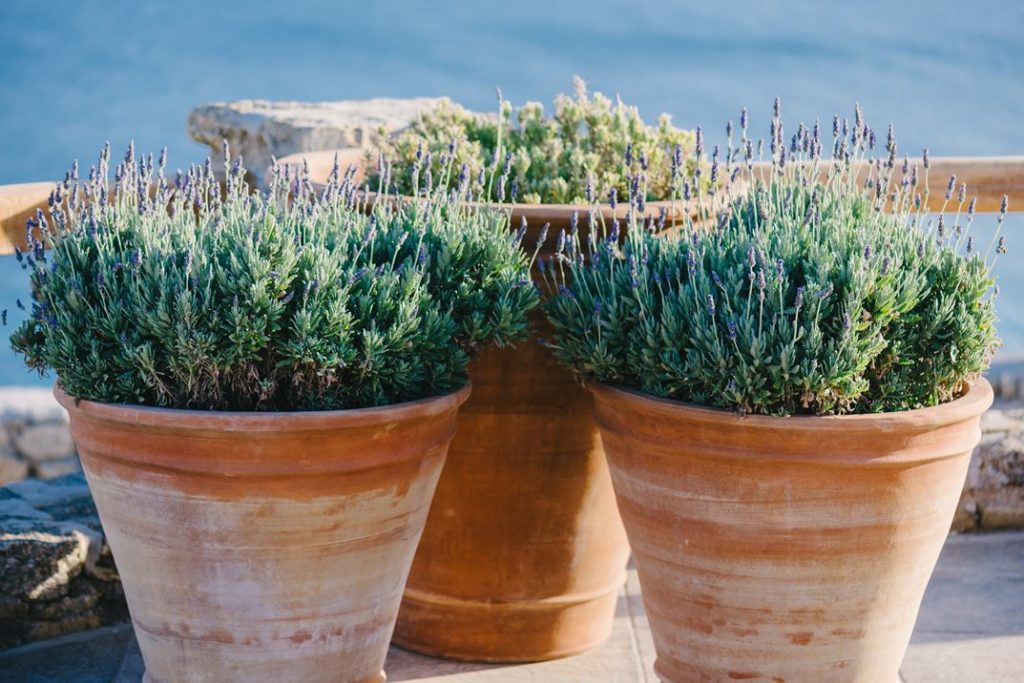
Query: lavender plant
pixel 800 286
pixel 187 294
pixel 565 158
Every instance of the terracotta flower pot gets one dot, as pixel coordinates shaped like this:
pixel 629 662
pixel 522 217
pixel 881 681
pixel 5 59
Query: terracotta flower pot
pixel 524 554
pixel 784 549
pixel 263 546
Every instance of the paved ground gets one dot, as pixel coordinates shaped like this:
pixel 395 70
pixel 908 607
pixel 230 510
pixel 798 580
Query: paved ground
pixel 971 630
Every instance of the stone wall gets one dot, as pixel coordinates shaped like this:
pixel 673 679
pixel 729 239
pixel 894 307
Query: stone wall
pixel 56 572
pixel 57 575
pixel 34 438
pixel 993 496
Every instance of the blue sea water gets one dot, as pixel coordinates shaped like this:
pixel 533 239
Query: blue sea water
pixel 75 74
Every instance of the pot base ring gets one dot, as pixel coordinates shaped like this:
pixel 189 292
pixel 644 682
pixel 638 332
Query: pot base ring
pixel 505 632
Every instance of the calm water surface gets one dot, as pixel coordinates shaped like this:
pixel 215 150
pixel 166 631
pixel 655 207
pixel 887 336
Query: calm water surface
pixel 75 74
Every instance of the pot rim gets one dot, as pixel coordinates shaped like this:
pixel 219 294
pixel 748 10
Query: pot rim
pixel 976 400
pixel 260 421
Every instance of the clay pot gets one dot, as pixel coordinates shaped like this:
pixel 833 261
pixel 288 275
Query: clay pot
pixel 523 555
pixel 784 549
pixel 263 546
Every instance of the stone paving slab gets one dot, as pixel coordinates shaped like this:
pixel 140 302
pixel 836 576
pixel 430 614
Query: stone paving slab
pixel 970 630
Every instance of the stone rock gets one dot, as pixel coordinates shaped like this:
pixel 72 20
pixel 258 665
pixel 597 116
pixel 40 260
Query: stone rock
pixel 14 508
pixel 45 442
pixel 1000 463
pixel 38 560
pixel 57 468
pixel 41 630
pixel 77 507
pixel 260 130
pixel 29 405
pixel 12 608
pixel 1002 509
pixel 12 468
pixel 993 496
pixel 1001 421
pixel 57 574
pixel 42 494
pixel 82 597
pixel 966 516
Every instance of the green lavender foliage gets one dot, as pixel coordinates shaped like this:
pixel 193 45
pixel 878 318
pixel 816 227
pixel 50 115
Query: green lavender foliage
pixel 179 295
pixel 541 159
pixel 795 287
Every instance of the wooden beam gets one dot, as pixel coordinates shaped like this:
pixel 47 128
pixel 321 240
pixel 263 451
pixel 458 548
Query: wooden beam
pixel 987 178
pixel 18 203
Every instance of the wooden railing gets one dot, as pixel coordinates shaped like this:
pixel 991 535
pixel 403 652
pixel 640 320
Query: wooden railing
pixel 987 178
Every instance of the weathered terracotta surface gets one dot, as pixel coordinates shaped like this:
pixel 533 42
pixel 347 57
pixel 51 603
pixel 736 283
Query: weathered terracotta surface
pixel 523 554
pixel 263 546
pixel 784 549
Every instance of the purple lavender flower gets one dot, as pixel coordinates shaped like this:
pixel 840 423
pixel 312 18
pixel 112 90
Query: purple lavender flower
pixel 613 234
pixel 543 235
pixel 711 305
